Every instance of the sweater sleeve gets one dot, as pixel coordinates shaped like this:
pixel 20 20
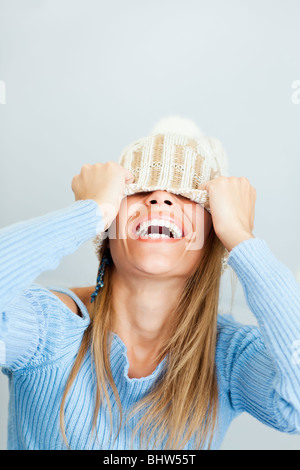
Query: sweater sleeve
pixel 263 365
pixel 26 250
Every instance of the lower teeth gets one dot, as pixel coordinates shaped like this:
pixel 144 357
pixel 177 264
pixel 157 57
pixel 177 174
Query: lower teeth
pixel 155 235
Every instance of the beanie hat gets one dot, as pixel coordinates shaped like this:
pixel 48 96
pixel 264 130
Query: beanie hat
pixel 175 157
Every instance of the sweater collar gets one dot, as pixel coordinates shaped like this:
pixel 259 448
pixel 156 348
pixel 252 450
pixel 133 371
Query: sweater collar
pixel 119 361
pixel 118 355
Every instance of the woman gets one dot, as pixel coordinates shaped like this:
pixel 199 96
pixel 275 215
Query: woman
pixel 143 360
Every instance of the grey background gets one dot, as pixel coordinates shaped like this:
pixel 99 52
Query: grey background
pixel 84 78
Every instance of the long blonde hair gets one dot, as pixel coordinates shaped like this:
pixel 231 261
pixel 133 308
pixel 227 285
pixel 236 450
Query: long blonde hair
pixel 183 404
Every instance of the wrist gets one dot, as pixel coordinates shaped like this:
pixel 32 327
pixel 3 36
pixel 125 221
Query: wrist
pixel 108 212
pixel 235 239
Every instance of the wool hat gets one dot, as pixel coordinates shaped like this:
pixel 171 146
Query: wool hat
pixel 176 157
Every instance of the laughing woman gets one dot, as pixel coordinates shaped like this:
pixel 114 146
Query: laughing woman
pixel 142 359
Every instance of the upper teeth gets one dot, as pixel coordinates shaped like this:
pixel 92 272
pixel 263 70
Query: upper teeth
pixel 143 228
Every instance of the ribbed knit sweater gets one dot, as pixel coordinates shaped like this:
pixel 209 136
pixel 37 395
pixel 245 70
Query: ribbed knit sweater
pixel 258 368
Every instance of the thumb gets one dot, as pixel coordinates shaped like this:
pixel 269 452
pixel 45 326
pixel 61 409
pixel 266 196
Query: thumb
pixel 129 178
pixel 203 186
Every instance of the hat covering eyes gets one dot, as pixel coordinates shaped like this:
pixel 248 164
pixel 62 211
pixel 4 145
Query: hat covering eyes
pixel 175 157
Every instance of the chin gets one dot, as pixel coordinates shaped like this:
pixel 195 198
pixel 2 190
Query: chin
pixel 151 267
pixel 154 267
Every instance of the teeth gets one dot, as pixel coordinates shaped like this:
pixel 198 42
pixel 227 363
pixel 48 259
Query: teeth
pixel 143 229
pixel 156 235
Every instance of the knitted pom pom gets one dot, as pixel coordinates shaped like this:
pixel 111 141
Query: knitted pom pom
pixel 177 125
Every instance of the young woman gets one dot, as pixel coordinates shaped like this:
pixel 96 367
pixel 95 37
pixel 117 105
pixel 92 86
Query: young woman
pixel 144 360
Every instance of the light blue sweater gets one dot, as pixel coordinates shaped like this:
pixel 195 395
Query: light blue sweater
pixel 258 368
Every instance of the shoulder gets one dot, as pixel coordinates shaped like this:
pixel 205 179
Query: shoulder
pixel 50 321
pixel 56 305
pixel 236 343
pixel 235 335
pixel 42 298
pixel 68 301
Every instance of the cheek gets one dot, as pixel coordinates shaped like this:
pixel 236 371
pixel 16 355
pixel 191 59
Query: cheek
pixel 207 223
pixel 130 210
pixel 117 229
pixel 199 226
pixel 193 259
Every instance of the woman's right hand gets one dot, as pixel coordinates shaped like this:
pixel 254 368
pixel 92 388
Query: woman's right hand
pixel 103 183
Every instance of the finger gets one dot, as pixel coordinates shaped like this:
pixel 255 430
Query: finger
pixel 74 181
pixel 129 178
pixel 203 186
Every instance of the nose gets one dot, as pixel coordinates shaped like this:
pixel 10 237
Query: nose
pixel 160 198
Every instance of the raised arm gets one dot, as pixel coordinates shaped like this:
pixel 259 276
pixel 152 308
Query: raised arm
pixel 263 364
pixel 263 375
pixel 31 247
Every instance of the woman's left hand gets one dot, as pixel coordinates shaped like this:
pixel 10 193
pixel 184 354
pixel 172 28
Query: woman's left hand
pixel 232 206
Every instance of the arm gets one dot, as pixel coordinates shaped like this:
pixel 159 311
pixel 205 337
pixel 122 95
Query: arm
pixel 26 250
pixel 263 370
pixel 31 247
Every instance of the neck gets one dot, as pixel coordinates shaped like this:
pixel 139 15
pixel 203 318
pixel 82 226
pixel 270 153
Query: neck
pixel 143 312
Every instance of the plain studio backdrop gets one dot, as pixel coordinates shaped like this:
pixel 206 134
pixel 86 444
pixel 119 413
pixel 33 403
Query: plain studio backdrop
pixel 81 79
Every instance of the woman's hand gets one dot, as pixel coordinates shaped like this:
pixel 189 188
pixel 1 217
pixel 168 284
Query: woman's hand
pixel 232 204
pixel 104 183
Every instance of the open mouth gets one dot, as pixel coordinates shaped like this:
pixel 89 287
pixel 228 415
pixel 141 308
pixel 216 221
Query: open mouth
pixel 159 229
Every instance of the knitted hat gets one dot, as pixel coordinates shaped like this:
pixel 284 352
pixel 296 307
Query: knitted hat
pixel 175 157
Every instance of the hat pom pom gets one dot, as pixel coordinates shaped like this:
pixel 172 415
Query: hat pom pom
pixel 177 125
